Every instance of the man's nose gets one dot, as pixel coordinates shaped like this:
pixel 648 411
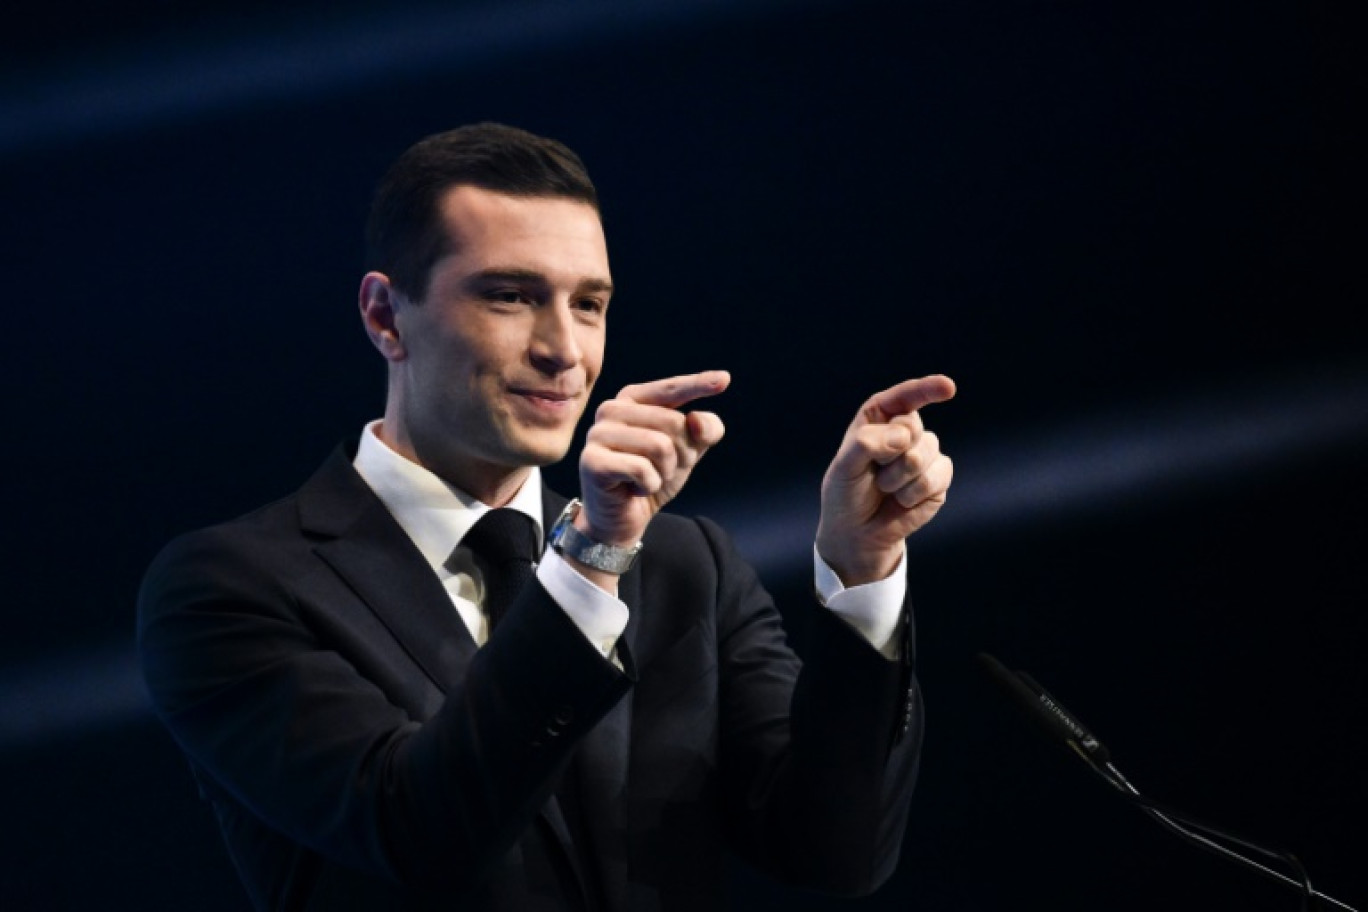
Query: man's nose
pixel 555 346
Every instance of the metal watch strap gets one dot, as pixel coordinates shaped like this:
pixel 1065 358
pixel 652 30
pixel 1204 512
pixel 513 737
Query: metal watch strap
pixel 572 543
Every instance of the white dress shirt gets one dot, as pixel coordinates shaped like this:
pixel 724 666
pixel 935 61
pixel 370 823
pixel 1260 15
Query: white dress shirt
pixel 437 516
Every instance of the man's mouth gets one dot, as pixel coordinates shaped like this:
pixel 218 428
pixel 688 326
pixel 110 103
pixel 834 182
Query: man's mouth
pixel 550 395
pixel 553 406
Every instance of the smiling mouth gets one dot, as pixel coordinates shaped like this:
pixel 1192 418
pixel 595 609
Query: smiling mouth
pixel 547 407
pixel 545 395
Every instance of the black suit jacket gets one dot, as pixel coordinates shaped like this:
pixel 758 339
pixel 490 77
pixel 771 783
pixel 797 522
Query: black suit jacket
pixel 361 752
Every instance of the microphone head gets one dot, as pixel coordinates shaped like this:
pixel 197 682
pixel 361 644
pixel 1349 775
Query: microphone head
pixel 1045 711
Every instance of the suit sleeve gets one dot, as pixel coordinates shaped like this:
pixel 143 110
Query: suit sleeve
pixel 819 756
pixel 254 687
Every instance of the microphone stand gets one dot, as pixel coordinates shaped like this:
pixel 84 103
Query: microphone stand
pixel 1191 832
pixel 1058 722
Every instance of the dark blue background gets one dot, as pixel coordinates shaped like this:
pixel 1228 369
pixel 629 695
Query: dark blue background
pixel 1131 232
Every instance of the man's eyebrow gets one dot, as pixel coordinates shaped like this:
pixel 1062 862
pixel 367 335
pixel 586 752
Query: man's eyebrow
pixel 507 274
pixel 598 286
pixel 522 276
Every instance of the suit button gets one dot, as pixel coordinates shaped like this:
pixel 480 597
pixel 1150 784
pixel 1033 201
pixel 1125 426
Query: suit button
pixel 564 716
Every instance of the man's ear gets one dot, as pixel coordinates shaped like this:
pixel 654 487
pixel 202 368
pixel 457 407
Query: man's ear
pixel 379 299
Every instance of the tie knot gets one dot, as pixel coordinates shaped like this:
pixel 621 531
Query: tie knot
pixel 504 535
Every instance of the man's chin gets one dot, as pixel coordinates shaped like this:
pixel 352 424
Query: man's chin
pixel 540 450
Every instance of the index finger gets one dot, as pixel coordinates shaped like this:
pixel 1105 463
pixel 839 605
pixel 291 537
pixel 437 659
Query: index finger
pixel 911 395
pixel 672 392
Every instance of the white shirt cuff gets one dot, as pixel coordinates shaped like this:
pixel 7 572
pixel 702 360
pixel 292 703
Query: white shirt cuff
pixel 599 616
pixel 874 609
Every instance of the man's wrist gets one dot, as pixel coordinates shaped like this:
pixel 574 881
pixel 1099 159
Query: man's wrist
pixel 864 569
pixel 579 548
pixel 874 609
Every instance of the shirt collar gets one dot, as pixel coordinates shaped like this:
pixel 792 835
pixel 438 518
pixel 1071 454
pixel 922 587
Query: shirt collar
pixel 435 514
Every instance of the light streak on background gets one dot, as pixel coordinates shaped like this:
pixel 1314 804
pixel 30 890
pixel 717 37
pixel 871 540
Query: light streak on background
pixel 1103 463
pixel 303 59
pixel 1067 472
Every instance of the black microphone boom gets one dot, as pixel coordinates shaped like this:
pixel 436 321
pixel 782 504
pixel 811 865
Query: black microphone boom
pixel 1061 725
pixel 1045 711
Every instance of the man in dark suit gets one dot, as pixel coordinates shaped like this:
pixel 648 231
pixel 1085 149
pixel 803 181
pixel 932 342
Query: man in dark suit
pixel 369 740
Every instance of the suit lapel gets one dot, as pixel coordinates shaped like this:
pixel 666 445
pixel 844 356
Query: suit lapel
pixel 362 543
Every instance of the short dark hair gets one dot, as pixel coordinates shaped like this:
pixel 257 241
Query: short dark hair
pixel 404 234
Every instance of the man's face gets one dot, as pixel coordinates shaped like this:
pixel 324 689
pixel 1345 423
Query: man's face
pixel 501 355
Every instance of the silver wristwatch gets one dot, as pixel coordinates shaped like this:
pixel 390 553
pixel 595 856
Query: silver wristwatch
pixel 571 542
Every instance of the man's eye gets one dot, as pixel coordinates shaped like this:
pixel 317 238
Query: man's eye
pixel 591 305
pixel 505 296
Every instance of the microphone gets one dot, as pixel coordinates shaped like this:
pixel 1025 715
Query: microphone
pixel 1062 726
pixel 1045 711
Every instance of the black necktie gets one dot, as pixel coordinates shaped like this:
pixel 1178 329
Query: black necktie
pixel 504 543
